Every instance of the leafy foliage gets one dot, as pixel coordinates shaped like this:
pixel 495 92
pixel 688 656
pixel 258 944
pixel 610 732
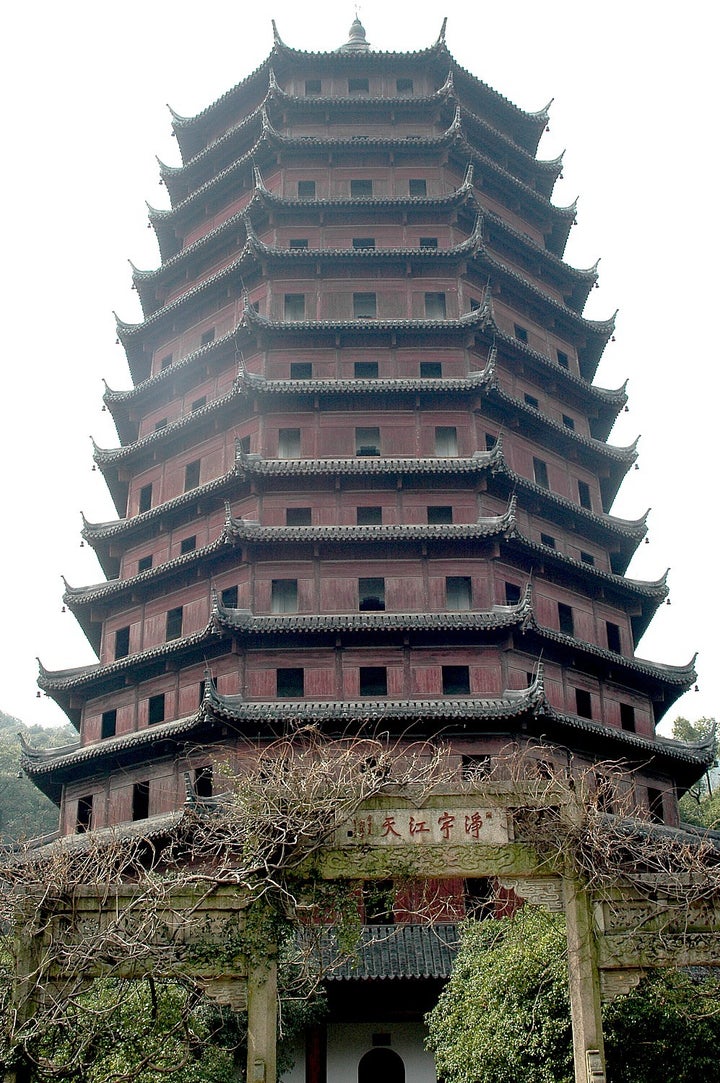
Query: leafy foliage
pixel 505 1013
pixel 701 804
pixel 25 812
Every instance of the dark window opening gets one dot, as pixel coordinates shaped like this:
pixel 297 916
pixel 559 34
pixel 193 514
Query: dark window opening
pixel 313 86
pixel 367 441
pixel 229 597
pixel 294 306
pixel 366 370
pixel 244 445
pixel 289 443
pixel 201 692
pixel 568 422
pixel 83 821
pixel 173 623
pixel 458 592
pixel 604 793
pixel 368 516
pixel 455 680
pixel 298 516
pixel 161 424
pixel 290 683
pixel 479 898
pixel 490 441
pixel 428 242
pixel 284 596
pixel 540 473
pixel 563 359
pixel 565 617
pixel 655 805
pixel 166 362
pixel 188 544
pixel 439 514
pixel 145 498
pixel 381 1039
pixel 364 306
pixel 378 902
pixel 358 86
pixel 583 703
pixel 417 187
pixel 361 189
pixel 446 441
pixel 431 370
pixel 584 495
pixel 301 370
pixel 192 475
pixel 371 595
pixel 612 631
pixel 435 307
pixel 198 404
pixel 404 86
pixel 203 781
pixel 363 242
pixel 298 242
pixel 627 717
pixel 306 189
pixel 156 709
pixel 520 333
pixel 512 594
pixel 373 681
pixel 587 558
pixel 530 400
pixel 547 539
pixel 207 336
pixel 141 801
pixel 122 642
pixel 108 724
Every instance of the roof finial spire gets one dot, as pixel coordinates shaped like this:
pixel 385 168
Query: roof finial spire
pixel 357 42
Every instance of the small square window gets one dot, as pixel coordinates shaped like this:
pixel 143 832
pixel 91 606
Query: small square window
pixel 584 495
pixel 294 306
pixel 404 86
pixel 244 445
pixel 290 683
pixel 435 307
pixel 439 514
pixel 145 563
pixel 108 724
pixel 431 370
pixel 565 619
pixel 587 558
pixel 301 370
pixel 284 596
pixel 289 443
pixel 455 680
pixel 365 370
pixel 364 306
pixel 203 781
pixel 612 631
pixel 298 242
pixel 122 642
pixel 563 359
pixel 161 424
pixel 361 188
pixel 207 336
pixel 583 703
pixel 367 441
pixel 547 539
pixel 512 593
pixel 313 87
pixel 306 189
pixel 156 709
pixel 520 333
pixel 83 820
pixel 568 422
pixel 373 681
pixel 540 473
pixel 655 805
pixel 490 441
pixel 192 475
pixel 145 498
pixel 446 442
pixel 458 592
pixel 229 597
pixel 417 187
pixel 188 544
pixel 371 595
pixel 368 516
pixel 141 801
pixel 298 516
pixel 166 362
pixel 358 86
pixel 530 400
pixel 173 623
pixel 428 242
pixel 627 717
pixel 363 242
pixel 199 403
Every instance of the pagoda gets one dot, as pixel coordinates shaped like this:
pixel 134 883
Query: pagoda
pixel 363 476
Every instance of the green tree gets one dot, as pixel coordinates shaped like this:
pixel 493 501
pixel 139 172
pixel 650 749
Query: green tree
pixel 25 812
pixel 701 804
pixel 505 1014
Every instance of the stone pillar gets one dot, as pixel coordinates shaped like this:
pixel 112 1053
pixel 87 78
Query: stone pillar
pixel 584 986
pixel 262 1023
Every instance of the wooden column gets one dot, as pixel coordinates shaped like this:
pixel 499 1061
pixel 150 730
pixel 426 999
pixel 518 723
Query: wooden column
pixel 584 986
pixel 262 1023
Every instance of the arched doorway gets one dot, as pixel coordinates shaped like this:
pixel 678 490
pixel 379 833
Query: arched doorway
pixel 381 1066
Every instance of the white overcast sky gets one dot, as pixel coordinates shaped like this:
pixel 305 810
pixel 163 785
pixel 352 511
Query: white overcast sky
pixel 84 87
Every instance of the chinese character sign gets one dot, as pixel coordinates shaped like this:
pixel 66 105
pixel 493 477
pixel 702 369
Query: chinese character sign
pixel 458 826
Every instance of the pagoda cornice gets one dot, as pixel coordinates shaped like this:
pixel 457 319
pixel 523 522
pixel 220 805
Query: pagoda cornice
pixel 545 171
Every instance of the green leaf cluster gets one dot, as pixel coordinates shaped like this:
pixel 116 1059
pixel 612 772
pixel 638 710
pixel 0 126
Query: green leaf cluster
pixel 25 812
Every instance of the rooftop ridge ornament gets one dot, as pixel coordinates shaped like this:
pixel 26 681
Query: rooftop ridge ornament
pixel 357 42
